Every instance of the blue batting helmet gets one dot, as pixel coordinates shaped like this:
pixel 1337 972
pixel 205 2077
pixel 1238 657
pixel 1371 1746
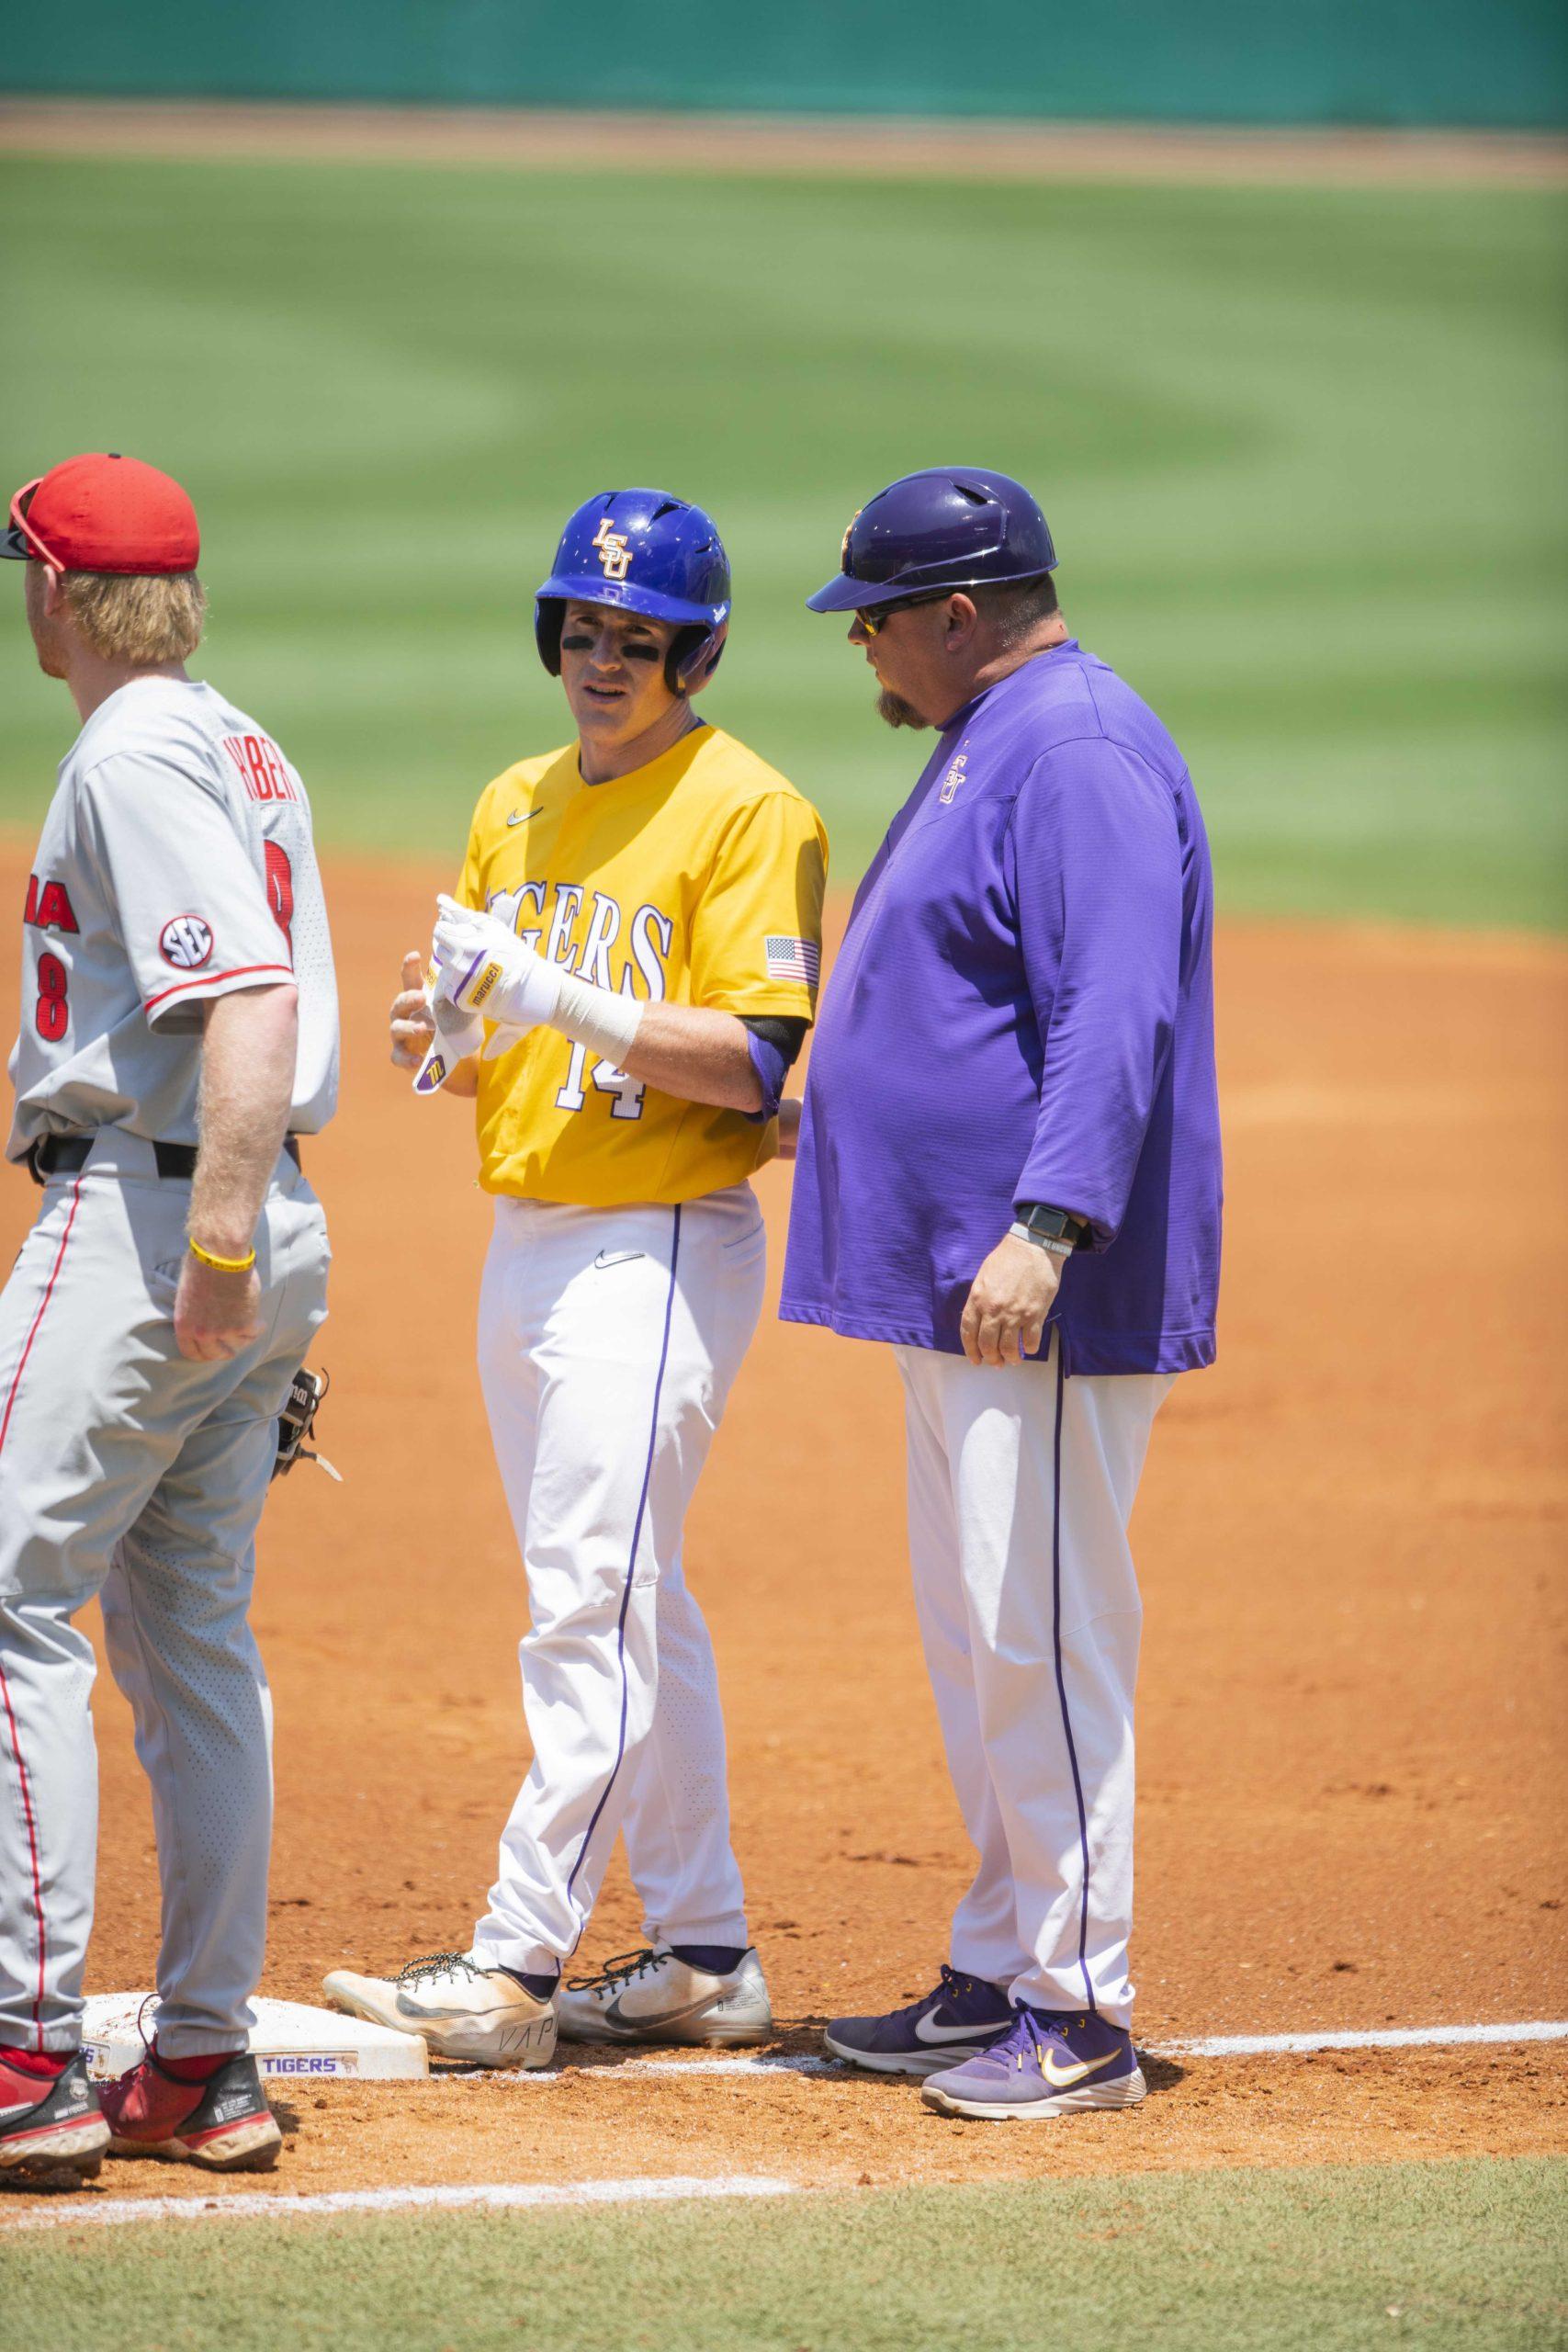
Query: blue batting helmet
pixel 644 552
pixel 951 526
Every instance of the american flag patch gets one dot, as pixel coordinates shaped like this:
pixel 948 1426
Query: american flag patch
pixel 793 959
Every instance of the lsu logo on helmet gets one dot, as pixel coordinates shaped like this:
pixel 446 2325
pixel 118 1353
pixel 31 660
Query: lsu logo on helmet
pixel 615 555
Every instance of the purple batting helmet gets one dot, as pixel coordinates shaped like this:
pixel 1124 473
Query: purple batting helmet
pixel 951 526
pixel 644 552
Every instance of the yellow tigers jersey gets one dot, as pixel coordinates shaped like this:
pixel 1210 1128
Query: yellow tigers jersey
pixel 697 880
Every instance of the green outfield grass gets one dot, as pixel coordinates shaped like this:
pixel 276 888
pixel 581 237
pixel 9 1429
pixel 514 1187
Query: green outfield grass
pixel 1329 2260
pixel 1303 451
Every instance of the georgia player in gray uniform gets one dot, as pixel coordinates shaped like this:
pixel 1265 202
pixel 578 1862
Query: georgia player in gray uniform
pixel 178 1030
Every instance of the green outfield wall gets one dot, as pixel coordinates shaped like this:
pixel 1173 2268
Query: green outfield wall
pixel 1498 63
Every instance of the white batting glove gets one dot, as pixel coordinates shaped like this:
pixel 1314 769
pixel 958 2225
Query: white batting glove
pixel 484 969
pixel 456 1036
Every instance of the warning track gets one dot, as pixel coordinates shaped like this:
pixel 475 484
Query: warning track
pixel 837 147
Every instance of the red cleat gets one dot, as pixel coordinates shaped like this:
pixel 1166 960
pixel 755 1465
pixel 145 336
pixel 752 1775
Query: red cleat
pixel 48 2122
pixel 224 2123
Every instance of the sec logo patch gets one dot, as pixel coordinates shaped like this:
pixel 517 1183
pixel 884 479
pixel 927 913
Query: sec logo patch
pixel 187 943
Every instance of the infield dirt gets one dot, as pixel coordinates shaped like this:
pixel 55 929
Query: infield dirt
pixel 1350 1543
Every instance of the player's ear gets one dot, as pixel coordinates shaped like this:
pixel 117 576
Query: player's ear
pixel 959 621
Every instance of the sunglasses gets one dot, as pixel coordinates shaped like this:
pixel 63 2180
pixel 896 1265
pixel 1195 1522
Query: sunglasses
pixel 25 537
pixel 871 622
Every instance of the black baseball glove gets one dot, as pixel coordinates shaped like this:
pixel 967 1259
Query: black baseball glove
pixel 298 1420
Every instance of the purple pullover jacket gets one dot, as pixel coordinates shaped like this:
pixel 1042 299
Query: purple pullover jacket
pixel 1022 1010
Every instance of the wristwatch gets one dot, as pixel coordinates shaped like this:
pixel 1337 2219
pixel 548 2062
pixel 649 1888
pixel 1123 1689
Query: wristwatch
pixel 1057 1231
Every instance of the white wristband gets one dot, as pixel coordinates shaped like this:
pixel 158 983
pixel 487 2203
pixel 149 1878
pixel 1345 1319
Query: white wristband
pixel 601 1019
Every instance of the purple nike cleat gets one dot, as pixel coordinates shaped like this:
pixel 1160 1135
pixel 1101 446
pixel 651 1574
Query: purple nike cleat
pixel 1051 2063
pixel 959 2020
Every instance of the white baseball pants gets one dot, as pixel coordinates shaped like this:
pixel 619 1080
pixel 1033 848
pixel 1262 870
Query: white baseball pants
pixel 608 1341
pixel 1020 1485
pixel 128 1472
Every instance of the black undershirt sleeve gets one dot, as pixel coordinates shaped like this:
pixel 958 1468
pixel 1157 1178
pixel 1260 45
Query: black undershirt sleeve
pixel 785 1032
pixel 776 1040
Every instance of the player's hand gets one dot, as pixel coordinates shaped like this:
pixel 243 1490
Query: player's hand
pixel 413 1022
pixel 789 1126
pixel 216 1315
pixel 1004 1317
pixel 484 967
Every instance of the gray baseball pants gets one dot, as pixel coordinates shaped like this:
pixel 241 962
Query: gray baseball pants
pixel 128 1474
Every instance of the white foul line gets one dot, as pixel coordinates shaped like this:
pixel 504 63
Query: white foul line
pixel 283 2204
pixel 1222 2045
pixel 774 2063
pixel 1404 2037
pixel 779 2063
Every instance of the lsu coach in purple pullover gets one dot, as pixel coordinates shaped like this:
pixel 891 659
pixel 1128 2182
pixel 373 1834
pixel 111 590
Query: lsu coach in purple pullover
pixel 1009 1169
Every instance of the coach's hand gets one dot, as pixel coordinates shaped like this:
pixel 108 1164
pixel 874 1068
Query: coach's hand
pixel 1004 1317
pixel 215 1315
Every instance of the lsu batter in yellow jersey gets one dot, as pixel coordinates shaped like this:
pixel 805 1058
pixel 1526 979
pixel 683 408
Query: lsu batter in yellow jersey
pixel 697 880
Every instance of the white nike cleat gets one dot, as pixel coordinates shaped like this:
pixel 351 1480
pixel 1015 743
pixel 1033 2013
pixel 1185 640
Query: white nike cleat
pixel 653 1996
pixel 465 2013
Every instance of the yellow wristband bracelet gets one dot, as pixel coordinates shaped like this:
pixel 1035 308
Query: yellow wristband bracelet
pixel 223 1265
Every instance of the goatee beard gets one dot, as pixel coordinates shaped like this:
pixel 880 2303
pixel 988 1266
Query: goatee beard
pixel 896 712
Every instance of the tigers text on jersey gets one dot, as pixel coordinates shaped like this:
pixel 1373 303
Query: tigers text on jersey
pixel 697 880
pixel 175 866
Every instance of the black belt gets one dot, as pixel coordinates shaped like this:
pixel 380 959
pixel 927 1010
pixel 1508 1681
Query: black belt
pixel 66 1155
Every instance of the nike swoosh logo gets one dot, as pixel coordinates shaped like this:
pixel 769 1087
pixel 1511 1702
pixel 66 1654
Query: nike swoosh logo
pixel 618 1256
pixel 665 2016
pixel 525 819
pixel 927 2032
pixel 1062 2078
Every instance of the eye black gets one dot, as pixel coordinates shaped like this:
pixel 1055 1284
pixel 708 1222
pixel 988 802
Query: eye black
pixel 573 641
pixel 640 649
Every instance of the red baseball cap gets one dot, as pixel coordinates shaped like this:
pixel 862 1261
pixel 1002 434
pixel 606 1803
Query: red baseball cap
pixel 102 513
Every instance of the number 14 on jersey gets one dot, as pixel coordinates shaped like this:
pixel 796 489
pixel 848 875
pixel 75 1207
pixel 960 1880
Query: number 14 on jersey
pixel 629 1091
